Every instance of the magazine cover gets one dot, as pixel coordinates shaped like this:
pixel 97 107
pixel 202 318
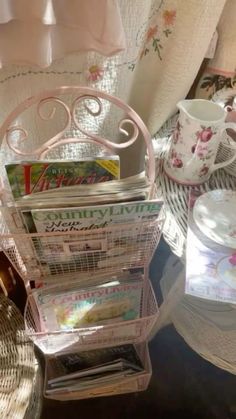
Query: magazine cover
pixel 73 309
pixel 215 276
pixel 91 217
pixel 27 178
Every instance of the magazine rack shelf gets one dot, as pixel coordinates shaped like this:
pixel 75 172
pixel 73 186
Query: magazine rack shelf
pixel 74 117
pixel 123 246
pixel 130 384
pixel 118 333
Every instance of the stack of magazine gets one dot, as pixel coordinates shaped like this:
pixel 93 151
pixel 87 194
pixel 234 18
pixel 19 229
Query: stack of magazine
pixel 78 196
pixel 68 307
pixel 90 369
pixel 58 183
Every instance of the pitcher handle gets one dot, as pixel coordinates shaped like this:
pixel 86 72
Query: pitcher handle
pixel 220 165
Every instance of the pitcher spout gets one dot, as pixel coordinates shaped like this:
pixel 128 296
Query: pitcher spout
pixel 184 105
pixel 201 110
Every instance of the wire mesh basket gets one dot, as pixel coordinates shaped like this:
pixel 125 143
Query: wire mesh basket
pixel 107 334
pixel 48 258
pixel 137 382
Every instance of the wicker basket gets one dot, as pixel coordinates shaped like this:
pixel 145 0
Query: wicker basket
pixel 21 382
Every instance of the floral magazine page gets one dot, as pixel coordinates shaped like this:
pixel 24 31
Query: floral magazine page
pixel 210 267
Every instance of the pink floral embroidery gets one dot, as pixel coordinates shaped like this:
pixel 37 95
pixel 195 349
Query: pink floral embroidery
pixel 152 31
pixel 169 17
pixel 154 36
pixel 205 134
pixel 94 73
pixel 232 259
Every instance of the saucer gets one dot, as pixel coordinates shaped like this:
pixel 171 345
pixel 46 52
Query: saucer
pixel 215 215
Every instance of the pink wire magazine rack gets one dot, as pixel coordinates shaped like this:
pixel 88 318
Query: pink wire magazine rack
pixel 73 118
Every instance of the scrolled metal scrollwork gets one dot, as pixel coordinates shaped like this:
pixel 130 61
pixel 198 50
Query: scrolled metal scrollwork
pixel 97 138
pixel 130 126
pixel 23 133
pixel 22 136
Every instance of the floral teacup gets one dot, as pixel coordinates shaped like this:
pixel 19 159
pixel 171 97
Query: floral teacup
pixel 195 142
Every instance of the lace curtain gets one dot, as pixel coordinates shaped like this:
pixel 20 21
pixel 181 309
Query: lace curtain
pixel 166 41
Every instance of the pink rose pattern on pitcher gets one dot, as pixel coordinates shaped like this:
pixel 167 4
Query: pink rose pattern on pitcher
pixel 176 133
pixel 205 134
pixel 200 149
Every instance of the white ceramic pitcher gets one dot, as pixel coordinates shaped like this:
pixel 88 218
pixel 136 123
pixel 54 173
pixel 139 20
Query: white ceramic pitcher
pixel 195 142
